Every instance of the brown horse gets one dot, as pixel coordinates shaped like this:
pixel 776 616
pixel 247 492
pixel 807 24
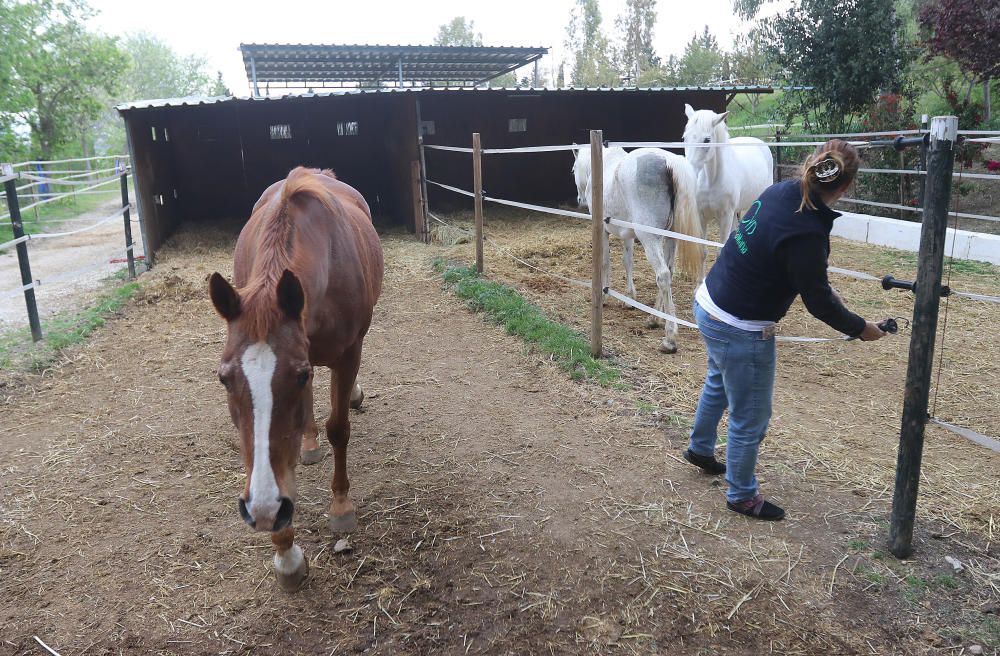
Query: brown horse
pixel 307 273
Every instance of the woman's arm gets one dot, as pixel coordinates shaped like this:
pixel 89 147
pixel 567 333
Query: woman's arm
pixel 805 264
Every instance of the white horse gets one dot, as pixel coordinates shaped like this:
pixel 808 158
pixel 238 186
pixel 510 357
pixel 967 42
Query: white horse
pixel 581 174
pixel 655 188
pixel 730 178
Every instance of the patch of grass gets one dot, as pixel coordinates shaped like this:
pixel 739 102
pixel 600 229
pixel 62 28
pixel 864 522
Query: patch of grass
pixel 63 330
pixel 875 577
pixel 946 581
pixel 989 632
pixel 645 408
pixel 857 545
pixel 878 555
pixel 505 307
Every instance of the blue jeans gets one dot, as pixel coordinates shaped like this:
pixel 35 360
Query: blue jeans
pixel 740 376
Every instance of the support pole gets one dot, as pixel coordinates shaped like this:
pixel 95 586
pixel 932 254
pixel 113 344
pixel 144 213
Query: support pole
pixel 777 155
pixel 253 77
pixel 129 244
pixel 477 179
pixel 923 159
pixel 425 232
pixel 598 235
pixel 940 159
pixel 419 221
pixel 10 187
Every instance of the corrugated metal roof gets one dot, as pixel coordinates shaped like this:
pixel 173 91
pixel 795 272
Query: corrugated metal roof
pixel 214 100
pixel 303 63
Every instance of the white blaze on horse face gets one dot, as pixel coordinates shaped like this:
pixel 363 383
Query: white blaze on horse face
pixel 258 364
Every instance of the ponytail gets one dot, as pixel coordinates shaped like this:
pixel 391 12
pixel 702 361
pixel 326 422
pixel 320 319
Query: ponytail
pixel 832 167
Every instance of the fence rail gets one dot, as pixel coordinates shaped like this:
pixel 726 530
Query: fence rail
pixel 935 204
pixel 21 240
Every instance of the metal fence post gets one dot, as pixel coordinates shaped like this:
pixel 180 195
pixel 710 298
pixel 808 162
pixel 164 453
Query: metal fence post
pixel 923 159
pixel 129 244
pixel 598 237
pixel 10 187
pixel 777 155
pixel 927 297
pixel 477 179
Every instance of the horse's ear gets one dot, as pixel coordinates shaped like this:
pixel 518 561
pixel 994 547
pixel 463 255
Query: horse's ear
pixel 291 298
pixel 688 110
pixel 720 118
pixel 225 299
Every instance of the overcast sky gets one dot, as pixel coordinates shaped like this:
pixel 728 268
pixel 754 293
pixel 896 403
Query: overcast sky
pixel 214 29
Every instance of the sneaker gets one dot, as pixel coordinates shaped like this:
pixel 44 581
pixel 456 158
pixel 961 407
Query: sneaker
pixel 757 508
pixel 707 464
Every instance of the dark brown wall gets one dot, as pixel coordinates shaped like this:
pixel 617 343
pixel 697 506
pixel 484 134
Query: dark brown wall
pixel 220 158
pixel 559 118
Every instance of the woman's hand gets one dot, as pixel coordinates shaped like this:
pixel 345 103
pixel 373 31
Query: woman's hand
pixel 871 332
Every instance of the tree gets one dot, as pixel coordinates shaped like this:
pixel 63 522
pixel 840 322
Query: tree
pixel 636 54
pixel 967 31
pixel 58 72
pixel 157 71
pixel 590 60
pixel 460 31
pixel 702 60
pixel 849 51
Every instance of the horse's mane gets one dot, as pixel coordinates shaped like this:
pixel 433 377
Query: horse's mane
pixel 274 247
pixel 721 133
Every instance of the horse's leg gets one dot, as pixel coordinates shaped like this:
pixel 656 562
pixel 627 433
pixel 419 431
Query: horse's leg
pixel 311 452
pixel 291 567
pixel 727 221
pixel 654 253
pixel 338 430
pixel 629 247
pixel 664 280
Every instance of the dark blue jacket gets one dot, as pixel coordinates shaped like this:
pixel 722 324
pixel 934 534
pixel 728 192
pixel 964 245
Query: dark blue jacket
pixel 775 254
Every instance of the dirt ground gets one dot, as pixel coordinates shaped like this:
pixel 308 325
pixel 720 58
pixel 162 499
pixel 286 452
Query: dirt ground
pixel 70 268
pixel 503 508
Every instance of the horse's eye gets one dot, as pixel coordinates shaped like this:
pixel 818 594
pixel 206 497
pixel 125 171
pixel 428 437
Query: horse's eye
pixel 303 377
pixel 708 139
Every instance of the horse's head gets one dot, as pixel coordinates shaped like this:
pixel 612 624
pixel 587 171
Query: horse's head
pixel 703 126
pixel 581 174
pixel 265 370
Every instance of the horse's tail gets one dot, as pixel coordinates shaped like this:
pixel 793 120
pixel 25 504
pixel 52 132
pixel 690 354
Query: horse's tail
pixel 684 186
pixel 304 183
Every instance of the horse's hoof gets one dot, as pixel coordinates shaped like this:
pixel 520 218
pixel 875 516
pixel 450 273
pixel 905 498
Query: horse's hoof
pixel 667 347
pixel 292 582
pixel 312 456
pixel 343 523
pixel 357 397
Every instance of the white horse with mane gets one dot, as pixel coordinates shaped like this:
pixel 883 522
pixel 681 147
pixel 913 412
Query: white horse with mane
pixel 654 188
pixel 730 178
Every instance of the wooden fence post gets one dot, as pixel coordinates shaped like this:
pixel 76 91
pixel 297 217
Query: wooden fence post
pixel 10 187
pixel 477 179
pixel 129 244
pixel 420 224
pixel 598 235
pixel 927 297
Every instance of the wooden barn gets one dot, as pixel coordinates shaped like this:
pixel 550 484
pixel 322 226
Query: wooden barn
pixel 202 158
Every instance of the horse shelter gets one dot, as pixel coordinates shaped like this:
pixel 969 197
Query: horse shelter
pixel 202 158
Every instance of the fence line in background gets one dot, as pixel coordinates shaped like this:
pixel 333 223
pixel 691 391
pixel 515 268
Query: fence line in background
pixel 21 240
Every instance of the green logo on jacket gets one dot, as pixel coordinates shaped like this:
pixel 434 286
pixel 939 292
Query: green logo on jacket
pixel 746 227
